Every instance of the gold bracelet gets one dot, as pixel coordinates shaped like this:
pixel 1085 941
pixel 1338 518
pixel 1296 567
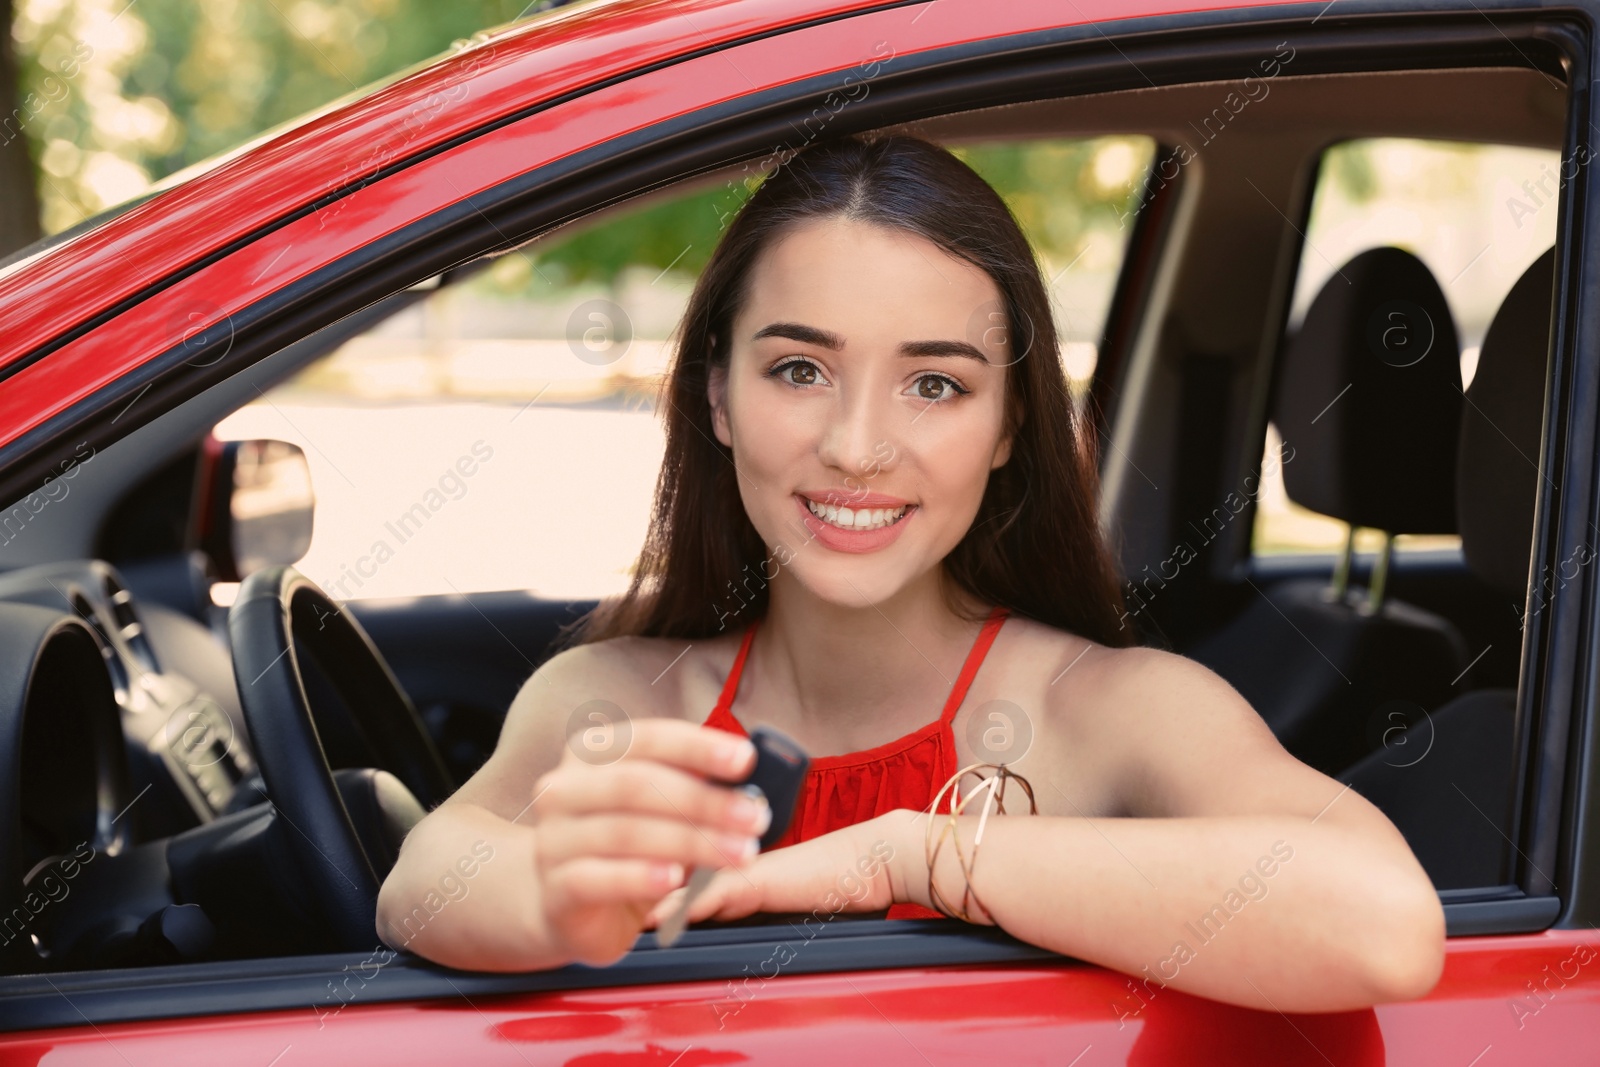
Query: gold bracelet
pixel 995 800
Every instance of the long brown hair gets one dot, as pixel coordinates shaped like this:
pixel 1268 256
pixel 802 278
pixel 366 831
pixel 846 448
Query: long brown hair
pixel 1034 545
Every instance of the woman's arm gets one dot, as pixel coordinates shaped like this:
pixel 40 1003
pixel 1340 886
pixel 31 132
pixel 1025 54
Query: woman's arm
pixel 1237 872
pixel 1245 876
pixel 1267 912
pixel 555 852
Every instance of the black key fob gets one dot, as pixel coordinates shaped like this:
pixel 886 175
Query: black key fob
pixel 779 772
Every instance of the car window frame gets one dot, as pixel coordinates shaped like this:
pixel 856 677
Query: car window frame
pixel 1560 668
pixel 536 202
pixel 1544 814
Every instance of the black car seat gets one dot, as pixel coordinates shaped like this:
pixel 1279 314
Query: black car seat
pixel 1449 788
pixel 1368 402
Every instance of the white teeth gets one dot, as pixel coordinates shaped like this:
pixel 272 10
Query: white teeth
pixel 857 518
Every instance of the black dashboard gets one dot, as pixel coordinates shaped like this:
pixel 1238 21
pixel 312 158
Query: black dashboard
pixel 134 826
pixel 171 679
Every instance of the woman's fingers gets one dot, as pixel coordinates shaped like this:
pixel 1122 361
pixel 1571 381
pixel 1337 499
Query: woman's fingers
pixel 664 907
pixel 614 839
pixel 724 893
pixel 642 836
pixel 650 788
pixel 593 880
pixel 692 747
pixel 730 895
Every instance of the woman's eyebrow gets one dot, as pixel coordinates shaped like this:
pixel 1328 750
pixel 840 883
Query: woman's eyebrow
pixel 942 348
pixel 812 335
pixel 808 335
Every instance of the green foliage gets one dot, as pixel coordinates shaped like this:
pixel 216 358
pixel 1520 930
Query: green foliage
pixel 158 85
pixel 169 83
pixel 1369 169
pixel 678 234
pixel 1060 190
pixel 1349 166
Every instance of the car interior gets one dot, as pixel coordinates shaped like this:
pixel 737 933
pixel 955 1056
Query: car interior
pixel 147 727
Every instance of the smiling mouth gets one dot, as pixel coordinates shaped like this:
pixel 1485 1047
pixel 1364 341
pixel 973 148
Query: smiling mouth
pixel 857 519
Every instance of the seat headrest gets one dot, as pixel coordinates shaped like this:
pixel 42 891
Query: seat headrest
pixel 1368 396
pixel 1501 428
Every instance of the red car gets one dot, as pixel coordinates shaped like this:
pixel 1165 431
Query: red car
pixel 156 908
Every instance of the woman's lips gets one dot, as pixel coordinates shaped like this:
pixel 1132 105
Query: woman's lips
pixel 842 540
pixel 852 498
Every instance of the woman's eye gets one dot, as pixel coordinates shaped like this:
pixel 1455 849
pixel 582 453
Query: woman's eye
pixel 797 372
pixel 937 387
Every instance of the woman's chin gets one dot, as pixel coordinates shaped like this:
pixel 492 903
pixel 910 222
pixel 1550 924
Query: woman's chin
pixel 852 584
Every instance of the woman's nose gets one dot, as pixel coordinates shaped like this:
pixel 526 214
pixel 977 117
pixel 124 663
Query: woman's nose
pixel 857 437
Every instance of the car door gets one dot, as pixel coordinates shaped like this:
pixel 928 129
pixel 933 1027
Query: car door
pixel 816 986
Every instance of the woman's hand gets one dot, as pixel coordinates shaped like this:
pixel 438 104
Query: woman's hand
pixel 612 838
pixel 845 870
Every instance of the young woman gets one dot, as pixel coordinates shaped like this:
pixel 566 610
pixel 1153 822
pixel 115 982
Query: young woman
pixel 875 531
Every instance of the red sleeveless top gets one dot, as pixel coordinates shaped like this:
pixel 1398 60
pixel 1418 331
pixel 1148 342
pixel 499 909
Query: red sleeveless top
pixel 853 787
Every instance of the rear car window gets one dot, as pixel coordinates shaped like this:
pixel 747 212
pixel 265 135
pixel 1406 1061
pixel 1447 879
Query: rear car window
pixel 1476 214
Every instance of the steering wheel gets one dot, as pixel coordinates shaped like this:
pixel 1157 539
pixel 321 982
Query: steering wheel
pixel 63 771
pixel 281 615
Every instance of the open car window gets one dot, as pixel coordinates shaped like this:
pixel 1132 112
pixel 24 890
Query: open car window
pixel 502 434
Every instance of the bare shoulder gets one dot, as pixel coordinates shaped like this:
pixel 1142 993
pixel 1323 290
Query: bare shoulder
pixel 1185 742
pixel 592 686
pixel 1155 690
pixel 643 676
pixel 612 668
pixel 1091 685
pixel 1137 730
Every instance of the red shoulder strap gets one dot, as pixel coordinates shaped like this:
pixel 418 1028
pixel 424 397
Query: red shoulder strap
pixel 724 708
pixel 969 669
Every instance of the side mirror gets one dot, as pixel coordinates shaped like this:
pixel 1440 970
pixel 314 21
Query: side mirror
pixel 257 508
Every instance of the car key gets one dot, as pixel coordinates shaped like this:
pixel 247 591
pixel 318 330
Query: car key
pixel 779 771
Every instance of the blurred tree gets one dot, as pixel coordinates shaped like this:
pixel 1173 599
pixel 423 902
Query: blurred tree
pixel 1063 190
pixel 118 94
pixel 19 204
pixel 678 235
pixel 150 87
pixel 1349 165
pixel 1060 191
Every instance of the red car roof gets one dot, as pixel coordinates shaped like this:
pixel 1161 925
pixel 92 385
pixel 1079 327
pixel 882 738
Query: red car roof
pixel 498 75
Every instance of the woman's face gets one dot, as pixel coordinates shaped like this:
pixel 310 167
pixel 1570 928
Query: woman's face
pixel 864 403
